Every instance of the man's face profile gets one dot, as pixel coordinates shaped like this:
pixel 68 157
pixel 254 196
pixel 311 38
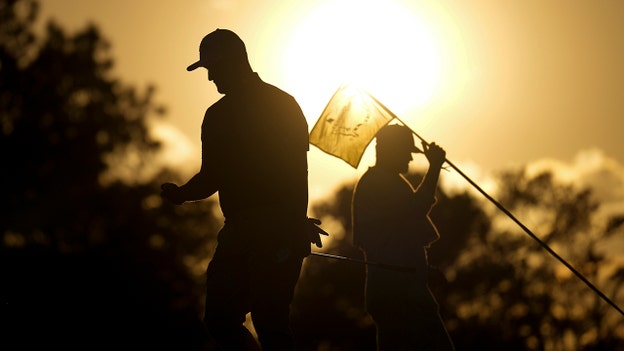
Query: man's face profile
pixel 219 72
pixel 223 70
pixel 400 160
pixel 394 159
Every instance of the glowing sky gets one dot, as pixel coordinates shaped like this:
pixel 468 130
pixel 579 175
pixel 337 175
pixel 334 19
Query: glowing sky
pixel 494 82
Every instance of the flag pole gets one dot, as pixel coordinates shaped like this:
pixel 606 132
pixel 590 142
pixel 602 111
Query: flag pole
pixel 510 215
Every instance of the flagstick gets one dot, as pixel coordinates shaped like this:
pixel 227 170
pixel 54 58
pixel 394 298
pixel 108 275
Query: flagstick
pixel 366 262
pixel 504 210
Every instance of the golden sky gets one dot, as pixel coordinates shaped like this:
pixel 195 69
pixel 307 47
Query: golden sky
pixel 496 83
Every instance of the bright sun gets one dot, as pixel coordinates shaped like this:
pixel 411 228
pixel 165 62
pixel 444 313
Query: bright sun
pixel 382 47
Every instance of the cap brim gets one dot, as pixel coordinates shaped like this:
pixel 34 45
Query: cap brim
pixel 194 66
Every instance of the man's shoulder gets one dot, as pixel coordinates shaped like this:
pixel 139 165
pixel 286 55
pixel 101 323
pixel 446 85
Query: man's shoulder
pixel 377 176
pixel 277 93
pixel 218 106
pixel 215 115
pixel 369 187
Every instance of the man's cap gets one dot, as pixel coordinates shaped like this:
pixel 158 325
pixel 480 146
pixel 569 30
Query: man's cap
pixel 396 137
pixel 218 45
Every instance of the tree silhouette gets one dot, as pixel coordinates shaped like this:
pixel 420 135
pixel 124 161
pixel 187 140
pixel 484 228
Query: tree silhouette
pixel 498 289
pixel 512 285
pixel 329 304
pixel 328 308
pixel 88 260
pixel 93 259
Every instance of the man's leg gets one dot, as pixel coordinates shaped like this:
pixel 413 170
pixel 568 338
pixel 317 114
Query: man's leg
pixel 427 330
pixel 273 281
pixel 227 298
pixel 390 321
pixel 387 305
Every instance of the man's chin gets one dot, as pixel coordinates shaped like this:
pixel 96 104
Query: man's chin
pixel 220 88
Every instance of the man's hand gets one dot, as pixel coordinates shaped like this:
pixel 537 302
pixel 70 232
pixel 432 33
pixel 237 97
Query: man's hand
pixel 435 154
pixel 171 192
pixel 314 232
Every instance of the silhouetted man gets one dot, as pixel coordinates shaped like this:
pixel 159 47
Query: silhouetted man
pixel 254 154
pixel 391 226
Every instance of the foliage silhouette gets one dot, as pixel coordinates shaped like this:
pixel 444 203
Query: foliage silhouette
pixel 330 295
pixel 328 308
pixel 86 259
pixel 498 289
pixel 536 301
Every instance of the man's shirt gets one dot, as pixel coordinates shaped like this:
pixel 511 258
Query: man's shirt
pixel 390 219
pixel 256 141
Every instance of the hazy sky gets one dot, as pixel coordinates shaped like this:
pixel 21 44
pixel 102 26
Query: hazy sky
pixel 496 83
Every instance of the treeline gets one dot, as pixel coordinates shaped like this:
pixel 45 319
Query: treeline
pixel 91 261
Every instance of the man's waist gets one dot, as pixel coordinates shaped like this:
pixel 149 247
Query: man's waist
pixel 261 214
pixel 386 273
pixel 410 259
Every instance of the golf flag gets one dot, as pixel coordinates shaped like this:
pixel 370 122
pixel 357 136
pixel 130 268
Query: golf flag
pixel 349 123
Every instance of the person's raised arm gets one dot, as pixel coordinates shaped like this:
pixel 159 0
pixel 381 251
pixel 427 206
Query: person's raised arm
pixel 436 157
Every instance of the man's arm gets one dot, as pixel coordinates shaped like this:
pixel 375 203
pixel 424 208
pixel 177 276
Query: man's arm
pixel 436 157
pixel 200 186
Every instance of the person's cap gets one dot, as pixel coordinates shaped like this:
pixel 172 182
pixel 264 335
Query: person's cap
pixel 218 45
pixel 396 137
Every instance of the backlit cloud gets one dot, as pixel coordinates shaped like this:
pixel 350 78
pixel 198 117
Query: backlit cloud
pixel 591 169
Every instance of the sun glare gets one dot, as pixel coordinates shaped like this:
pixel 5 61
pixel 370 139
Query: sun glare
pixel 382 47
